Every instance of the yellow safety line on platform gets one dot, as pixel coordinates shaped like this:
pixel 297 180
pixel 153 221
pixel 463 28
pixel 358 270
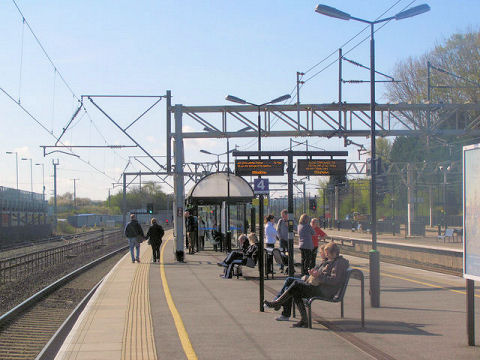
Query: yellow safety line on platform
pixel 138 340
pixel 423 283
pixel 426 284
pixel 182 333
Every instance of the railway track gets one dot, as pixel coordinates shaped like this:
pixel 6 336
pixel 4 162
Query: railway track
pixel 26 329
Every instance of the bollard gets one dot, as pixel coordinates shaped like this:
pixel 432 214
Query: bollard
pixel 439 229
pixel 374 257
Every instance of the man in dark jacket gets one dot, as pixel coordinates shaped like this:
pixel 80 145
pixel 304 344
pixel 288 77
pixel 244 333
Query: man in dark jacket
pixel 191 229
pixel 322 282
pixel 133 231
pixel 155 234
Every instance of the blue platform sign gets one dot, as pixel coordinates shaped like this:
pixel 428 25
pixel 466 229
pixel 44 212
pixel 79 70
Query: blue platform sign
pixel 260 186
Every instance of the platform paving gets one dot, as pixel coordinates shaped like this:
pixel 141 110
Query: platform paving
pixel 185 310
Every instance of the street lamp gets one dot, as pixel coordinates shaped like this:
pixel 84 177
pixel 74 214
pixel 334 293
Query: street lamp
pixel 31 176
pixel 260 197
pixel 374 255
pixel 43 179
pixel 243 102
pixel 217 155
pixel 228 145
pixel 16 162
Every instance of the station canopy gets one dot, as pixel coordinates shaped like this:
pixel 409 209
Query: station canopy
pixel 213 189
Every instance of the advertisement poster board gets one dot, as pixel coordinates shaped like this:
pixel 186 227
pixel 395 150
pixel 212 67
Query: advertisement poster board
pixel 471 212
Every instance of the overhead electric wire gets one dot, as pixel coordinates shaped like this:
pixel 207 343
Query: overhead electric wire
pixel 50 133
pixel 56 71
pixel 44 51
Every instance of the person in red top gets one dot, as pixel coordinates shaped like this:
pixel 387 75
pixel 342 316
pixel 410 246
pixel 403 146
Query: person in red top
pixel 319 235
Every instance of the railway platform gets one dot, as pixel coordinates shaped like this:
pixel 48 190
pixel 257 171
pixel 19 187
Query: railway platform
pixel 172 310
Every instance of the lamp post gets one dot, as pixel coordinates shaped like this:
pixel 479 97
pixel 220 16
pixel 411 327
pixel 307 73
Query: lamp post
pixel 374 255
pixel 217 155
pixel 260 197
pixel 16 162
pixel 31 176
pixel 43 179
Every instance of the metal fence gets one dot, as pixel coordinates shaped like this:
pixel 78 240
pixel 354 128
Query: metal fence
pixel 18 268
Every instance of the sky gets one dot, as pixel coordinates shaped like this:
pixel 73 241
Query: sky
pixel 201 51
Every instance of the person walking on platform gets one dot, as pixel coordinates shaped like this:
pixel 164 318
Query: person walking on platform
pixel 305 234
pixel 134 233
pixel 155 234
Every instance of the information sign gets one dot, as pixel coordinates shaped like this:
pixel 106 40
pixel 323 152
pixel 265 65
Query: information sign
pixel 321 167
pixel 267 167
pixel 260 186
pixel 471 209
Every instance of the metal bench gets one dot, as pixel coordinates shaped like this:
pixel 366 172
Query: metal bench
pixel 237 265
pixel 338 297
pixel 448 234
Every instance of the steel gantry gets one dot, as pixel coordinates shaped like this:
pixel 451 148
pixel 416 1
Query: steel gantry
pixel 308 120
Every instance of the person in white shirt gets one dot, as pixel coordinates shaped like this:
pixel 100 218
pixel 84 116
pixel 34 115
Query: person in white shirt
pixel 270 231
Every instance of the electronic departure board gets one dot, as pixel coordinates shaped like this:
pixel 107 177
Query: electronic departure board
pixel 252 167
pixel 321 167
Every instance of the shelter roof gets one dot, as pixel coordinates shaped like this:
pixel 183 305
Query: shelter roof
pixel 214 188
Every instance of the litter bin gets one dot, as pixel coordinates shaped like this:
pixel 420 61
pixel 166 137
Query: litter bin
pixel 417 228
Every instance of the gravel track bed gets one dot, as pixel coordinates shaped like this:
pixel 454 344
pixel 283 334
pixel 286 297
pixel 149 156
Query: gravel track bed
pixel 14 293
pixel 25 337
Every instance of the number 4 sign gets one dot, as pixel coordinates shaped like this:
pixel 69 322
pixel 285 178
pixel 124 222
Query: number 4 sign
pixel 260 186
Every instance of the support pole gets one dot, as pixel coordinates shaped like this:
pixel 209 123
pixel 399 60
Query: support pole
pixel 471 312
pixel 178 185
pixel 291 270
pixel 261 269
pixel 124 200
pixel 410 204
pixel 374 255
pixel 169 132
pixel 55 163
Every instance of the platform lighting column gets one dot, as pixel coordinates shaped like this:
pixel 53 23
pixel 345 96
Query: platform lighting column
pixel 260 197
pixel 43 179
pixel 31 176
pixel 16 162
pixel 374 254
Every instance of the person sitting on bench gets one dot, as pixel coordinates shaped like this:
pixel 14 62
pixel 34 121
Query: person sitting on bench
pixel 322 282
pixel 250 249
pixel 236 254
pixel 291 279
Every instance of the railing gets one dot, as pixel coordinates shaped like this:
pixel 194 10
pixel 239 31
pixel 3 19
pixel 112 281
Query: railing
pixel 18 268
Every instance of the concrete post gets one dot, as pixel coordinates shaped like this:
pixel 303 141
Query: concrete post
pixel 411 205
